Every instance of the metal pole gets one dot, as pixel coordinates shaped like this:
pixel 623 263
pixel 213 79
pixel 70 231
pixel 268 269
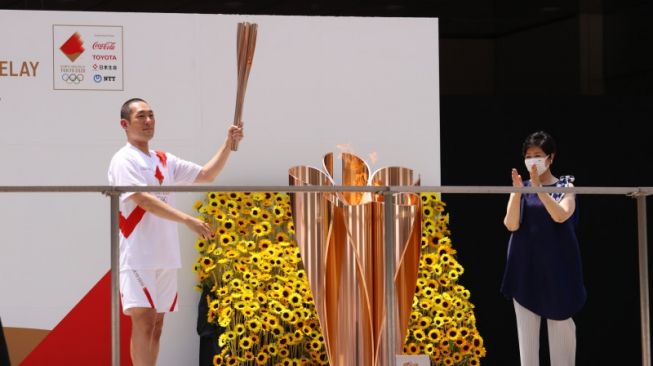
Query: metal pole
pixel 389 283
pixel 643 280
pixel 115 279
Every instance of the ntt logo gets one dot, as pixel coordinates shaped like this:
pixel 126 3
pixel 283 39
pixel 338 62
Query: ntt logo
pixel 97 78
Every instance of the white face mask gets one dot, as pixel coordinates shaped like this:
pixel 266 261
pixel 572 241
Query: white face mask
pixel 540 163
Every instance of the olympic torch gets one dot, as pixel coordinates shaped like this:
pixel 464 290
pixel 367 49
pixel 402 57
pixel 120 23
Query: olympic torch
pixel 245 46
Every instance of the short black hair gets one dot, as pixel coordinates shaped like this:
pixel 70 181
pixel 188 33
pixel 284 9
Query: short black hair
pixel 125 110
pixel 539 139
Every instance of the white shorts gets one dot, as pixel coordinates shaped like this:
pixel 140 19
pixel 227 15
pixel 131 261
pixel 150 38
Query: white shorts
pixel 149 288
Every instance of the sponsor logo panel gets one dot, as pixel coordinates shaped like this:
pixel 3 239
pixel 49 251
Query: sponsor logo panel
pixel 87 57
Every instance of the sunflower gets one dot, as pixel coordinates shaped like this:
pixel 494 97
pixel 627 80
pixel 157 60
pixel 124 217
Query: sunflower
pixel 259 230
pixel 295 300
pixel 446 304
pixel 239 329
pixel 272 349
pixel 283 238
pixel 267 227
pixel 424 322
pixel 477 341
pixel 414 315
pixel 266 215
pixel 464 332
pixel 278 211
pixel 272 321
pixel 236 283
pixel 286 315
pixel 232 361
pixel 245 343
pixel 225 239
pixel 428 292
pixel 261 298
pixel 452 334
pixel 248 312
pixel 466 348
pixel 249 245
pixel 248 356
pixel 276 307
pixel 254 325
pixel 240 306
pixel 283 341
pixel 207 263
pixel 262 358
pixel 453 275
pixel 255 212
pixel 316 345
pixel 228 224
pixel 429 259
pixel 437 270
pixel 425 304
pixel 439 322
pixel 255 339
pixel 419 335
pixel 434 335
pixel 200 245
pixel 214 305
pixel 465 294
pixel 284 352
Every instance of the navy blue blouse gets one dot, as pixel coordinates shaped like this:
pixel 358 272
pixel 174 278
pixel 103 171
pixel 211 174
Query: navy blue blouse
pixel 543 270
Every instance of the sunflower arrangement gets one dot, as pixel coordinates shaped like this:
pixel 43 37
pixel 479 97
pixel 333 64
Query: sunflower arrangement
pixel 442 321
pixel 258 290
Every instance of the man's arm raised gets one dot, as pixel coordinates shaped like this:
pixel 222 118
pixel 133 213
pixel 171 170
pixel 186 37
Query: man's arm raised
pixel 211 169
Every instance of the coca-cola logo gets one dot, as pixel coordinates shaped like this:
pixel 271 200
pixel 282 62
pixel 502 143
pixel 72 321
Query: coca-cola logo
pixel 104 45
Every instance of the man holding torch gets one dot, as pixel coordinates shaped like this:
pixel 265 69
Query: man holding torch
pixel 149 242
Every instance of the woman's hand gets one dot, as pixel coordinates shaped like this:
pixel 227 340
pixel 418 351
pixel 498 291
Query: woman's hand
pixel 516 179
pixel 511 220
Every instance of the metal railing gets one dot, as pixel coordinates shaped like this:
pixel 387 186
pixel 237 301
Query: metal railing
pixel 114 192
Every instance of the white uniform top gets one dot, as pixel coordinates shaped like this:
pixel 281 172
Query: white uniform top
pixel 148 241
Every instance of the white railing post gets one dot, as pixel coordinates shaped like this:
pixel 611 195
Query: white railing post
pixel 115 278
pixel 389 283
pixel 644 305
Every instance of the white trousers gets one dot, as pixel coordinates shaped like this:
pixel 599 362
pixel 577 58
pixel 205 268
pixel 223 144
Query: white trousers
pixel 562 338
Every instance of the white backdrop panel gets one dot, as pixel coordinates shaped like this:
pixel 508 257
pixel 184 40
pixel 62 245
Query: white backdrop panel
pixel 316 82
